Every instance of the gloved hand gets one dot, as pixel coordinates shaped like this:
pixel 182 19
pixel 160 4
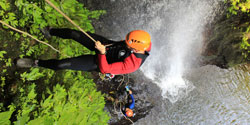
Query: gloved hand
pixel 100 47
pixel 127 88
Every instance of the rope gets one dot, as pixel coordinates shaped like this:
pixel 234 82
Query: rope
pixel 31 37
pixel 125 116
pixel 123 79
pixel 115 108
pixel 121 112
pixel 121 82
pixel 128 80
pixel 71 21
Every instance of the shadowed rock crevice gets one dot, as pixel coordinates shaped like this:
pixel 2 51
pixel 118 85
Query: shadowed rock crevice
pixel 223 41
pixel 145 93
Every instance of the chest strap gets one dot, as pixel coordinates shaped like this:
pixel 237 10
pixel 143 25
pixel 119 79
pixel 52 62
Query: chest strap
pixel 142 56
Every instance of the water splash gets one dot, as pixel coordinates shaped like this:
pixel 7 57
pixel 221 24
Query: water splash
pixel 178 39
pixel 176 27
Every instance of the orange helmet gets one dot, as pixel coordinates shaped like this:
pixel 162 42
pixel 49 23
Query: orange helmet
pixel 138 40
pixel 129 113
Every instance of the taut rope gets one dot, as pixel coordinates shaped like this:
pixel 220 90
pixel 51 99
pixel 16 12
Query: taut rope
pixel 71 21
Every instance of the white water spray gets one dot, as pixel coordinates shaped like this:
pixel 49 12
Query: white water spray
pixel 177 41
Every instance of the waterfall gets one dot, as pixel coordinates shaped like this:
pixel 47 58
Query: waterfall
pixel 177 37
pixel 176 28
pixel 220 96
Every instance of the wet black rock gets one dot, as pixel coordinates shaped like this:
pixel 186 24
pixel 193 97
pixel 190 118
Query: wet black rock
pixel 223 41
pixel 144 91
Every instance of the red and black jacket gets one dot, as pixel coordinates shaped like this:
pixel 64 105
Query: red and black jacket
pixel 120 60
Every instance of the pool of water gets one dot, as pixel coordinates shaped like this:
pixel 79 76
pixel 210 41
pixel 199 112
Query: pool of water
pixel 220 96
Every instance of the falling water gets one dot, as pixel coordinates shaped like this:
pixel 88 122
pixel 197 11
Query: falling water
pixel 220 96
pixel 177 40
pixel 176 27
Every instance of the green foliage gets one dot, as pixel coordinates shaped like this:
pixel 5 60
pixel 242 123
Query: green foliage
pixel 241 8
pixel 4 5
pixel 81 102
pixel 5 116
pixel 3 81
pixel 27 103
pixel 245 44
pixel 44 96
pixel 78 104
pixel 2 55
pixel 6 62
pixel 33 75
pixel 238 6
pixel 31 16
pixel 8 17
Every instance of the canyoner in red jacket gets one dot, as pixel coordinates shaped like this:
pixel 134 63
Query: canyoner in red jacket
pixel 113 57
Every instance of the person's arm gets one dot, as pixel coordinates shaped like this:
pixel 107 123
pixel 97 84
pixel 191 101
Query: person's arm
pixel 129 65
pixel 131 105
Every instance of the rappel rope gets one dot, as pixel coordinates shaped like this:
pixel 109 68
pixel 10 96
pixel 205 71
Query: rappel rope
pixel 71 21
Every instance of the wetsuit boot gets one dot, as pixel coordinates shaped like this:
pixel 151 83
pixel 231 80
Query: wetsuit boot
pixel 26 63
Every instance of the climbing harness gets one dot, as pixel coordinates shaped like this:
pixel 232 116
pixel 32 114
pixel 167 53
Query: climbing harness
pixel 109 76
pixel 106 77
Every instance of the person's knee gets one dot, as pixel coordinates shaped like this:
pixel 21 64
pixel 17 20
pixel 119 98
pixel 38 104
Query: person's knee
pixel 75 34
pixel 64 65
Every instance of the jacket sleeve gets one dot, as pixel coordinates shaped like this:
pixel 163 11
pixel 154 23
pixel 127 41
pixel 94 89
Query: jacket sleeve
pixel 132 105
pixel 129 65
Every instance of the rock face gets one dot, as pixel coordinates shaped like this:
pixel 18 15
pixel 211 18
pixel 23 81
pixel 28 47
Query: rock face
pixel 221 49
pixel 146 95
pixel 223 40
